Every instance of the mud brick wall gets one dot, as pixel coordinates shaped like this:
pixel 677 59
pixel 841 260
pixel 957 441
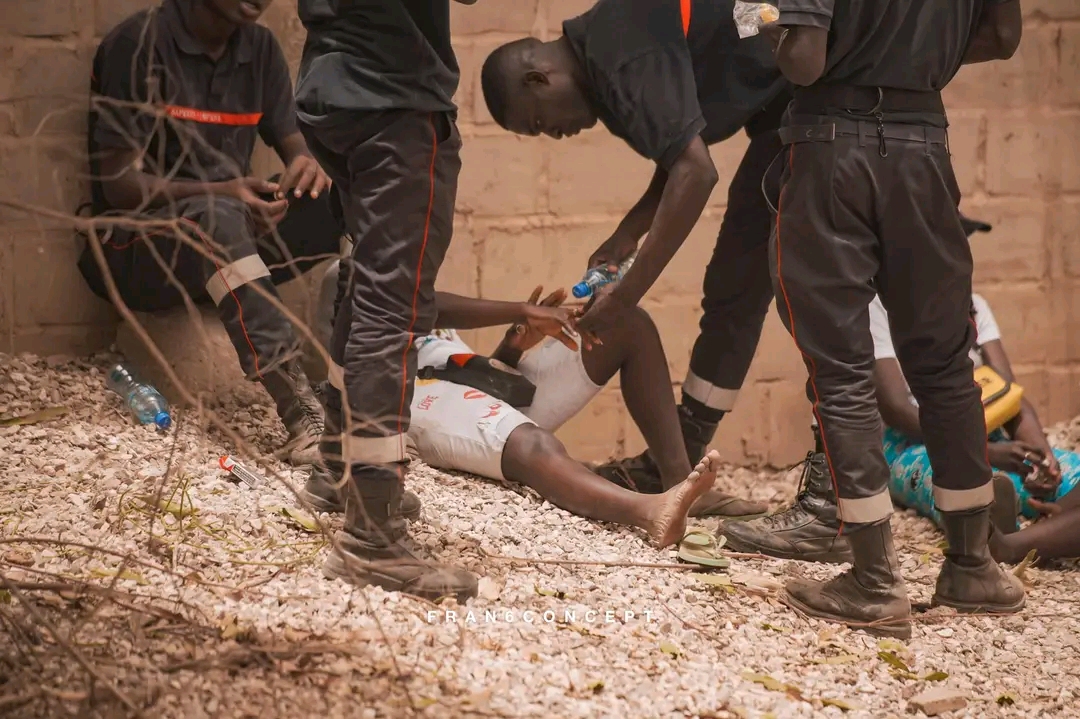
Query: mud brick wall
pixel 531 210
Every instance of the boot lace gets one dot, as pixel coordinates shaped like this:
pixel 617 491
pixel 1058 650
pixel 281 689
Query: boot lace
pixel 782 519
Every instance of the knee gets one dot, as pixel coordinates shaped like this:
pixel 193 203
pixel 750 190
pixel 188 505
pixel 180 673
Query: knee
pixel 223 218
pixel 534 444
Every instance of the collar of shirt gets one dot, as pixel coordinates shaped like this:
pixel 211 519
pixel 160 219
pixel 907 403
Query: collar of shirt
pixel 176 12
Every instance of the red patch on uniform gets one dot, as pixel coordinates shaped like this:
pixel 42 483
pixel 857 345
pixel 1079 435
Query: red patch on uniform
pixel 211 117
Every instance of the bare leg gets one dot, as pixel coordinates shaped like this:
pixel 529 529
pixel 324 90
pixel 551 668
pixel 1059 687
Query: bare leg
pixel 1055 537
pixel 534 457
pixel 634 350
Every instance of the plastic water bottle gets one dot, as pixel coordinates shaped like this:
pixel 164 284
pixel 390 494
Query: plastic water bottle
pixel 597 277
pixel 145 402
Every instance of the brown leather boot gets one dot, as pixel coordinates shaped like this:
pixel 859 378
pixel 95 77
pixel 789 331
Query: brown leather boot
pixel 323 491
pixel 300 412
pixel 870 596
pixel 809 530
pixel 970 579
pixel 373 550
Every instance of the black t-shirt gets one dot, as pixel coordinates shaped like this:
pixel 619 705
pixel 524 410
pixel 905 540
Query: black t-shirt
pixel 376 55
pixel 899 44
pixel 656 87
pixel 197 118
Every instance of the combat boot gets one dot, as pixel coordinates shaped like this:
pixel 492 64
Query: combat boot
pixel 300 412
pixel 372 551
pixel 870 596
pixel 324 492
pixel 697 433
pixel 324 487
pixel 809 530
pixel 970 579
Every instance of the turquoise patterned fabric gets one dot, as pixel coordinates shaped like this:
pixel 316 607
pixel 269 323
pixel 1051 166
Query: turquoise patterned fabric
pixel 911 478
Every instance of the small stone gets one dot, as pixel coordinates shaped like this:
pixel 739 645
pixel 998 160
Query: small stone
pixel 938 700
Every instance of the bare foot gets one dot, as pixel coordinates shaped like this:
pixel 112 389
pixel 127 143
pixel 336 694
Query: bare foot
pixel 667 525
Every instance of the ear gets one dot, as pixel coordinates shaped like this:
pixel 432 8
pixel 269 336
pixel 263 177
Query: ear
pixel 536 77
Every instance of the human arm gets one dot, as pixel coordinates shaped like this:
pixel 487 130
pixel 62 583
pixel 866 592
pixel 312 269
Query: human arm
pixel 690 181
pixel 800 39
pixel 897 410
pixel 623 242
pixel 1025 428
pixel 278 127
pixel 998 33
pixel 547 319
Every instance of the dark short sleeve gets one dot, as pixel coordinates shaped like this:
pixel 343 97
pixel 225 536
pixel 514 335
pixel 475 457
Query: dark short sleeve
pixel 653 97
pixel 119 87
pixel 279 106
pixel 806 13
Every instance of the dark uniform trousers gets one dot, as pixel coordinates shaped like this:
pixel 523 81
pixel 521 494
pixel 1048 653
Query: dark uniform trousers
pixel 397 174
pixel 737 289
pixel 219 258
pixel 865 204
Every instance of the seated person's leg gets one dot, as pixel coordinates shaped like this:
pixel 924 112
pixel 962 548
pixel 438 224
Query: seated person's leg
pixel 238 282
pixel 634 351
pixel 911 479
pixel 456 427
pixel 309 234
pixel 1054 537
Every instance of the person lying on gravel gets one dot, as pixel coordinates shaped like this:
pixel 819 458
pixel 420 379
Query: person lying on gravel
pixel 181 92
pixel 462 428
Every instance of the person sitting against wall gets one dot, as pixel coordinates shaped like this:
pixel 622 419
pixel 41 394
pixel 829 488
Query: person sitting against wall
pixel 180 93
pixel 1033 478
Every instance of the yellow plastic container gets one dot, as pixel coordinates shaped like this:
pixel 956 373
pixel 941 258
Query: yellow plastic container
pixel 1000 398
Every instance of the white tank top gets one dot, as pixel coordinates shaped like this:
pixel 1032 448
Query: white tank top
pixel 435 349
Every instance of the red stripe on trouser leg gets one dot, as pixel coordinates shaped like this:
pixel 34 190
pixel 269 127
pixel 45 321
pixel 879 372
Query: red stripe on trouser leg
pixel 194 226
pixel 807 359
pixel 419 280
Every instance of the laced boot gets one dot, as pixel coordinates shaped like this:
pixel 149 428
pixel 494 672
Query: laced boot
pixel 869 596
pixel 809 530
pixel 373 548
pixel 697 433
pixel 324 486
pixel 970 579
pixel 300 412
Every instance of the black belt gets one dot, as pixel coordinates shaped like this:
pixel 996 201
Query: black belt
pixel 837 127
pixel 862 100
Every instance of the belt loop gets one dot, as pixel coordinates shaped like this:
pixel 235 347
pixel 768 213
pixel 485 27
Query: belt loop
pixel 927 139
pixel 864 128
pixel 948 150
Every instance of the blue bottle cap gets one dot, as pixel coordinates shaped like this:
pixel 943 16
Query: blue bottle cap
pixel 581 289
pixel 163 420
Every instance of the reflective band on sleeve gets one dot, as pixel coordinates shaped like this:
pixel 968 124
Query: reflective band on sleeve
pixel 709 394
pixel 237 274
pixel 373 450
pixel 212 117
pixel 335 375
pixel 959 500
pixel 866 510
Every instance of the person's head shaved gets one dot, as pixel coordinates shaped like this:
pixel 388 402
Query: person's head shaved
pixel 503 75
pixel 530 89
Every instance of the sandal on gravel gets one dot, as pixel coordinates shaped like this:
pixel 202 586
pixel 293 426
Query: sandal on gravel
pixel 718 504
pixel 702 548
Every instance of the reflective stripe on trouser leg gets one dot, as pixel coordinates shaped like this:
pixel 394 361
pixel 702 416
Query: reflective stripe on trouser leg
pixel 866 510
pixel 960 500
pixel 368 450
pixel 260 332
pixel 708 394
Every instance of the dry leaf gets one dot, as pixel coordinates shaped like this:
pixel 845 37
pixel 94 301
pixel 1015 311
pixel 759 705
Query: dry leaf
pixel 1021 569
pixel 894 661
pixel 595 687
pixel 181 510
pixel 840 704
pixel 43 415
pixel 1005 700
pixel 772 628
pixel 5 596
pixel 838 659
pixel 764 680
pixel 126 574
pixel 936 677
pixel 425 702
pixel 557 593
pixel 300 518
pixel 669 648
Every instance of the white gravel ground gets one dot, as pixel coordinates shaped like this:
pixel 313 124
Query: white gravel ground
pixel 223 611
